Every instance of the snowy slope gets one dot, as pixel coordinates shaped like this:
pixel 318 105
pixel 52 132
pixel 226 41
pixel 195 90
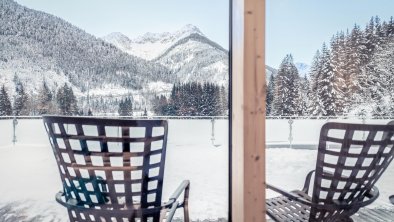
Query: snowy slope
pixel 196 58
pixel 188 53
pixel 150 45
pixel 37 46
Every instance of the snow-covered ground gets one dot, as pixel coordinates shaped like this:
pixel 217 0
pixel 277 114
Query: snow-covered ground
pixel 29 177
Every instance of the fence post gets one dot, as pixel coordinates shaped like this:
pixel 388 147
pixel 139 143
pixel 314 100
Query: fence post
pixel 14 123
pixel 291 132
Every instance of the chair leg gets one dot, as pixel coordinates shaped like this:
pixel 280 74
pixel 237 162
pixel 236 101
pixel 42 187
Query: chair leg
pixel 186 204
pixel 186 213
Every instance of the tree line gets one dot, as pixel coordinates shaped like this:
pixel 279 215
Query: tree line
pixel 353 75
pixel 192 99
pixel 61 101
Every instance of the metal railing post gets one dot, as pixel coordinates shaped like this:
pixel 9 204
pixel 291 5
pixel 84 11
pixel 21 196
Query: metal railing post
pixel 291 132
pixel 14 123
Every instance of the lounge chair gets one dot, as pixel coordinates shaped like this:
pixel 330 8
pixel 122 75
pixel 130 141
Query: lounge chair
pixel 344 176
pixel 112 169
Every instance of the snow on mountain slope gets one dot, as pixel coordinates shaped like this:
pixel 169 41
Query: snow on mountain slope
pixel 187 53
pixel 150 45
pixel 196 58
pixel 37 46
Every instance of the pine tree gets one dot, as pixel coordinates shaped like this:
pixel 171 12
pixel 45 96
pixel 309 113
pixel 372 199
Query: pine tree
pixel 20 99
pixel 337 62
pixel 223 101
pixel 67 101
pixel 355 56
pixel 286 100
pixel 303 104
pixel 145 112
pixel 328 92
pixel 45 100
pixel 125 107
pixel 270 93
pixel 314 102
pixel 5 103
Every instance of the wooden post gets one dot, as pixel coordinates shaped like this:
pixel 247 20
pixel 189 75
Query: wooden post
pixel 248 111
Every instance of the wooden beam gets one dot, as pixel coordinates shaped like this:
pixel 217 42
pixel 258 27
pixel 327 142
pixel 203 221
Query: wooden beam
pixel 248 110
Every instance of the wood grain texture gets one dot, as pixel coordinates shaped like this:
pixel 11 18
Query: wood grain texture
pixel 248 116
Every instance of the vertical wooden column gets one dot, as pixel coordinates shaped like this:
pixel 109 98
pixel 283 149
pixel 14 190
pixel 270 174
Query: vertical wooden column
pixel 248 111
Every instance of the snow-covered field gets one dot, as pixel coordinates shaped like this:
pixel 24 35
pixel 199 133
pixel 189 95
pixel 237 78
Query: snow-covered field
pixel 29 177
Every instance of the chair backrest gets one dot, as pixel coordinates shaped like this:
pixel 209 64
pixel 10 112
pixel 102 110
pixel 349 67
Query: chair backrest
pixel 113 163
pixel 351 158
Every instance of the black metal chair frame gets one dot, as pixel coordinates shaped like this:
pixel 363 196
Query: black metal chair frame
pixel 344 177
pixel 96 187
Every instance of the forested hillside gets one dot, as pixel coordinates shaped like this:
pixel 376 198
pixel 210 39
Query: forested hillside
pixel 353 75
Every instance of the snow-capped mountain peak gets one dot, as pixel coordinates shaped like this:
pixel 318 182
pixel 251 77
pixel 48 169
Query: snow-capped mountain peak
pixel 188 30
pixel 118 38
pixel 150 45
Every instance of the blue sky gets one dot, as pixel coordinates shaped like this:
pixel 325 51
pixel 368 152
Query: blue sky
pixel 301 26
pixel 136 17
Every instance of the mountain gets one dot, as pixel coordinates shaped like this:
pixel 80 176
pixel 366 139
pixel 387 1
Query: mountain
pixel 35 46
pixel 187 53
pixel 150 45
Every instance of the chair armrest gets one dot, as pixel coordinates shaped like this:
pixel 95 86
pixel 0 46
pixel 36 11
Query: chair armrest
pixel 290 195
pixel 372 196
pixel 308 181
pixel 70 203
pixel 171 212
pixel 183 187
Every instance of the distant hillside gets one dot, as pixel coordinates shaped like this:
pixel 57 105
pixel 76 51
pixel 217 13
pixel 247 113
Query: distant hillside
pixel 36 45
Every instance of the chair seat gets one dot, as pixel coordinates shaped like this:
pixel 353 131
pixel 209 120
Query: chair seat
pixel 284 209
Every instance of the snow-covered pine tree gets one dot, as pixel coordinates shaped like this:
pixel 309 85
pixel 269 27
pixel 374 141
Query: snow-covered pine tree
pixel 328 90
pixel 314 102
pixel 389 28
pixel 287 85
pixel 66 100
pixel 380 34
pixel 304 86
pixel 370 37
pixel 5 103
pixel 337 62
pixel 125 107
pixel 270 93
pixel 20 99
pixel 356 56
pixel 223 101
pixel 45 100
pixel 145 112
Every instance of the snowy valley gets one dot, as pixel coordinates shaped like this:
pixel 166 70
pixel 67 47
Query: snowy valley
pixel 37 47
